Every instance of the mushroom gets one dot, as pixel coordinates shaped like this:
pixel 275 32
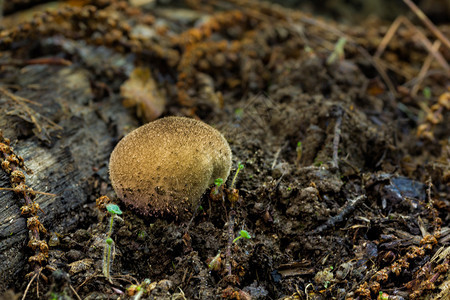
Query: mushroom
pixel 164 166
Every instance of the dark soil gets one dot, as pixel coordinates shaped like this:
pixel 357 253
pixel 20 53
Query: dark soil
pixel 345 185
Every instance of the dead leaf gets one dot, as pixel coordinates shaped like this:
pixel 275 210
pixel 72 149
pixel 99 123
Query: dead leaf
pixel 141 91
pixel 80 265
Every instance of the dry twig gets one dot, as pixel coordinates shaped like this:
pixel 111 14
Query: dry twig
pixel 428 23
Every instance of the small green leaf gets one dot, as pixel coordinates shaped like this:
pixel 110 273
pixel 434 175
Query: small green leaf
pixel 427 92
pixel 109 241
pixel 218 182
pixel 113 209
pixel 245 234
pixel 241 166
pixel 239 112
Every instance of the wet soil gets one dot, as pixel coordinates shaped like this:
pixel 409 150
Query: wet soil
pixel 345 185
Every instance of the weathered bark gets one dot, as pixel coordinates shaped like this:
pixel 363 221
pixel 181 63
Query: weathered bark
pixel 65 156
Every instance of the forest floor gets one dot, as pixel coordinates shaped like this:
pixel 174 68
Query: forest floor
pixel 343 132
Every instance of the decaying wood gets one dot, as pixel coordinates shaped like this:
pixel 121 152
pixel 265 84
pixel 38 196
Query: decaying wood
pixel 64 158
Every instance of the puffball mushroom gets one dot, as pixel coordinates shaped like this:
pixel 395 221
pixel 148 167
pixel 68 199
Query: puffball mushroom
pixel 166 165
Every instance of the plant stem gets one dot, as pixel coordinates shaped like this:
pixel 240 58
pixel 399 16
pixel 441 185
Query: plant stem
pixel 107 252
pixel 108 263
pixel 107 258
pixel 111 224
pixel 240 166
pixel 230 241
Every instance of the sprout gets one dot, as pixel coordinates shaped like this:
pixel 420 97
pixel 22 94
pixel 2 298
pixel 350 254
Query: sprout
pixel 218 182
pixel 338 53
pixel 243 234
pixel 217 191
pixel 299 151
pixel 114 210
pixel 240 167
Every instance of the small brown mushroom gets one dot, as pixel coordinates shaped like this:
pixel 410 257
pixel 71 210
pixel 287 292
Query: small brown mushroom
pixel 166 165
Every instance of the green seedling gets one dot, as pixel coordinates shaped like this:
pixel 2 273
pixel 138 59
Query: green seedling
pixel 114 210
pixel 299 151
pixel 318 163
pixel 427 92
pixel 141 235
pixel 242 234
pixel 218 182
pixel 138 290
pixel 383 296
pixel 238 112
pixel 338 53
pixel 240 167
pixel 233 195
pixel 217 190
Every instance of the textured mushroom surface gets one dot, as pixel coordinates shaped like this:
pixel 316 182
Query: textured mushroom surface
pixel 166 165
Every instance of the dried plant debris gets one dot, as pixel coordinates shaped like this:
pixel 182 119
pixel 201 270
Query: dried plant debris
pixel 14 166
pixel 142 92
pixel 21 107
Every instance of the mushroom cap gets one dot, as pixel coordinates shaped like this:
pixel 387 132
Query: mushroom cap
pixel 166 165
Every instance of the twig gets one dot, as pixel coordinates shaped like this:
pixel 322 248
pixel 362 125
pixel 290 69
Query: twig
pixel 27 191
pixel 337 134
pixel 349 207
pixel 37 61
pixel 16 98
pixel 425 41
pixel 388 37
pixel 428 23
pixel 230 241
pixel 75 292
pixel 377 64
pixel 424 69
pixel 277 154
pixel 31 113
pixel 29 284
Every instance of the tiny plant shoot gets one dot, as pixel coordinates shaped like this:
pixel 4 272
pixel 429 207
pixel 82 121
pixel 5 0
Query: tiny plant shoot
pixel 218 182
pixel 242 234
pixel 240 167
pixel 233 195
pixel 217 190
pixel 338 53
pixel 299 151
pixel 113 210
